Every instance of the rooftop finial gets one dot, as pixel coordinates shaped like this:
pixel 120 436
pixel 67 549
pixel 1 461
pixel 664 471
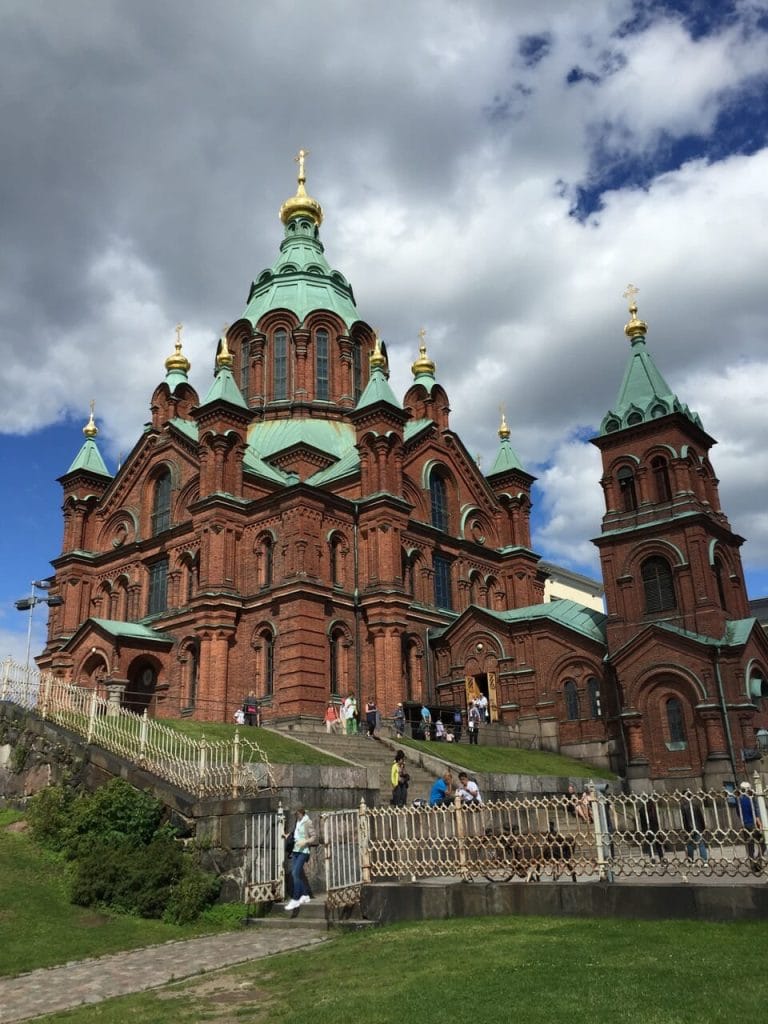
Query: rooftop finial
pixel 301 204
pixel 635 328
pixel 90 429
pixel 177 361
pixel 224 357
pixel 423 364
pixel 377 359
pixel 504 430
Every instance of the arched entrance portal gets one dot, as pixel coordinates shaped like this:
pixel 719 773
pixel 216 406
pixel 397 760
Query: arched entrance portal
pixel 483 684
pixel 142 683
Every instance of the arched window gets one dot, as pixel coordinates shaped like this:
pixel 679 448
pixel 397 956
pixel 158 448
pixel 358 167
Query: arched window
pixel 442 566
pixel 407 571
pixel 660 471
pixel 571 695
pixel 161 504
pixel 474 588
pixel 717 568
pixel 438 494
pixel 193 577
pixel 335 655
pixel 266 560
pixel 337 561
pixel 321 366
pixel 626 481
pixel 675 721
pixel 280 366
pixel 245 369
pixel 593 693
pixel 268 663
pixel 158 587
pixel 658 585
pixel 357 372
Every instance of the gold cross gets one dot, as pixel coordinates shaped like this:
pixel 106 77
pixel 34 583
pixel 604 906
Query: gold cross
pixel 179 328
pixel 93 406
pixel 630 294
pixel 300 161
pixel 422 335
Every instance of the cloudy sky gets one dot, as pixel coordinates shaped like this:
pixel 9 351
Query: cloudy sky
pixel 495 172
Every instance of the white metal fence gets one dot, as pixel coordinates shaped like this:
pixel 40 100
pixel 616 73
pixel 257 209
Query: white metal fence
pixel 224 767
pixel 264 874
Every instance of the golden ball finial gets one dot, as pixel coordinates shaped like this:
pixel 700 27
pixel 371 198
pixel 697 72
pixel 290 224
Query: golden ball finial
pixel 90 429
pixel 635 328
pixel 224 357
pixel 423 364
pixel 504 430
pixel 377 357
pixel 177 361
pixel 301 204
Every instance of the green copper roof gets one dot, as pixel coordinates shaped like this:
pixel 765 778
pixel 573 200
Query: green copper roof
pixel 736 633
pixel 331 436
pixel 224 389
pixel 89 459
pixel 133 630
pixel 506 459
pixel 175 377
pixel 348 463
pixel 587 621
pixel 377 390
pixel 187 427
pixel 301 279
pixel 414 427
pixel 644 395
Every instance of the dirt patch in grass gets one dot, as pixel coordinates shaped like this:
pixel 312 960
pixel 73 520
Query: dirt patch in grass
pixel 93 919
pixel 223 999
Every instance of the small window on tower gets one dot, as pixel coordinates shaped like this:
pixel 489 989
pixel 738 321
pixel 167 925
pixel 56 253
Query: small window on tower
pixel 321 366
pixel 661 477
pixel 626 480
pixel 659 585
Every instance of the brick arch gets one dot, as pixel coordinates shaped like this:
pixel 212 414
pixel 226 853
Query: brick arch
pixel 661 686
pixel 477 526
pixel 121 528
pixel 657 546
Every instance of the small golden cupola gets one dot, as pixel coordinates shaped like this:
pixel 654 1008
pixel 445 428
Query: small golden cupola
pixel 635 328
pixel 377 358
pixel 423 366
pixel 90 429
pixel 504 430
pixel 301 205
pixel 177 362
pixel 224 358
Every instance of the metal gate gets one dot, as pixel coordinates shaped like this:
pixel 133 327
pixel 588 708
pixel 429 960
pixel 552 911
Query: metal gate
pixel 344 836
pixel 264 874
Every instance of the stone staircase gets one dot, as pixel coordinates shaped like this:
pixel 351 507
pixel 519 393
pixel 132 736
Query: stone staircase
pixel 369 753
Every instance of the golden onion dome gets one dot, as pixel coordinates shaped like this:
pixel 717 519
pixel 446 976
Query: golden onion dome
pixel 504 430
pixel 224 357
pixel 635 328
pixel 423 364
pixel 177 361
pixel 377 357
pixel 90 429
pixel 301 204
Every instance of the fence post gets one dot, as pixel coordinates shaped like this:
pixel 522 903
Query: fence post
pixel 91 717
pixel 236 764
pixel 202 764
pixel 460 831
pixel 757 785
pixel 363 837
pixel 6 678
pixel 280 852
pixel 598 829
pixel 46 696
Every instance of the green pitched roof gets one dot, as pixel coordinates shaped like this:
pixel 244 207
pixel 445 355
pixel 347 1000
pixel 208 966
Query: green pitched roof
pixel 377 390
pixel 587 621
pixel 506 459
pixel 736 633
pixel 224 389
pixel 187 427
pixel 644 395
pixel 131 630
pixel 301 279
pixel 334 437
pixel 89 459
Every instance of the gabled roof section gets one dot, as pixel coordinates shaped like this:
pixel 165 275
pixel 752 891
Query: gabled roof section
pixel 586 621
pixel 224 389
pixel 378 390
pixel 120 630
pixel 334 437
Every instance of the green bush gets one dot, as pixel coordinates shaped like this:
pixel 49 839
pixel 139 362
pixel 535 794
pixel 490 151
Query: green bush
pixel 191 894
pixel 48 813
pixel 134 880
pixel 115 814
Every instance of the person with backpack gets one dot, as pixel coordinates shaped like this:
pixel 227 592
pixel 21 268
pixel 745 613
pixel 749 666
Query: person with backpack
pixel 400 779
pixel 304 838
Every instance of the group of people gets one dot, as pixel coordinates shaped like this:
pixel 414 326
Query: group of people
pixel 345 718
pixel 248 713
pixel 443 791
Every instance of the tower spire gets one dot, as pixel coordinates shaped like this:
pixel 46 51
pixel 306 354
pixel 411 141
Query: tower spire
pixel 301 204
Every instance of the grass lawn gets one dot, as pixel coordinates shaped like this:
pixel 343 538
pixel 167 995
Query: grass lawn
pixel 39 927
pixel 509 760
pixel 480 971
pixel 278 748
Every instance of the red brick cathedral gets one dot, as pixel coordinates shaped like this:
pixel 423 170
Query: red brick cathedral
pixel 299 532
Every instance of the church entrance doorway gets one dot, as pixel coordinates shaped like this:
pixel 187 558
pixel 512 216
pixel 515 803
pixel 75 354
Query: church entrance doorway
pixel 483 684
pixel 142 682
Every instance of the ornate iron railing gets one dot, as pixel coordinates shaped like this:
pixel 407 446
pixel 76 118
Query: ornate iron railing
pixel 206 768
pixel 264 871
pixel 344 835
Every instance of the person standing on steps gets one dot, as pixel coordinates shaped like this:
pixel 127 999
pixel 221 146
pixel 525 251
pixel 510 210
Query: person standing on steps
pixel 426 722
pixel 473 722
pixel 400 779
pixel 331 718
pixel 399 721
pixel 457 725
pixel 371 718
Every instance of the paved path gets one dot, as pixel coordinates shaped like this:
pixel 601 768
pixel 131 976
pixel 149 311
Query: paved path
pixel 91 981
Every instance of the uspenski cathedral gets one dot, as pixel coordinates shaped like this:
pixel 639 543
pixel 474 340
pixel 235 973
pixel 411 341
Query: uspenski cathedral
pixel 298 532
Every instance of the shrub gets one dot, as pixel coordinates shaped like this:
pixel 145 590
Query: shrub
pixel 48 813
pixel 134 880
pixel 191 894
pixel 114 815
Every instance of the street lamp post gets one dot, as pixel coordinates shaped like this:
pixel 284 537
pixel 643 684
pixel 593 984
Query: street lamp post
pixel 29 604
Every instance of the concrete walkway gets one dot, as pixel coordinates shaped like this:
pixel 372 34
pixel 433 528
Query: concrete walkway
pixel 90 981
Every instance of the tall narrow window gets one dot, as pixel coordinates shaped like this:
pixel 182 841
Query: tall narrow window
pixel 626 481
pixel 245 369
pixel 660 471
pixel 675 720
pixel 267 560
pixel 337 562
pixel 593 692
pixel 335 657
pixel 161 505
pixel 321 366
pixel 158 587
pixel 438 494
pixel 193 577
pixel 357 372
pixel 280 374
pixel 718 571
pixel 268 663
pixel 571 695
pixel 658 585
pixel 442 567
